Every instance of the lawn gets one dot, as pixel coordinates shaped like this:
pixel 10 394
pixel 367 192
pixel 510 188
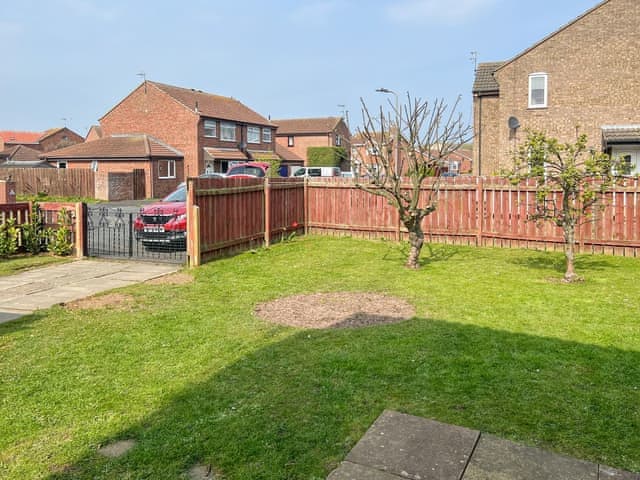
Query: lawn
pixel 498 344
pixel 18 263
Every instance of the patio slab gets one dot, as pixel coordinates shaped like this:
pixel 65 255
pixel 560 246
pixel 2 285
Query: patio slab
pixel 399 446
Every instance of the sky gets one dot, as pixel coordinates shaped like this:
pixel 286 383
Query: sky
pixel 67 62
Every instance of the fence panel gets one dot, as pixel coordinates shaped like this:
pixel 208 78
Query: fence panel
pixel 53 181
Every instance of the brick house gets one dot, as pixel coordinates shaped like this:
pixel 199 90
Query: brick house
pixel 159 165
pixel 46 141
pixel 584 75
pixel 210 130
pixel 296 135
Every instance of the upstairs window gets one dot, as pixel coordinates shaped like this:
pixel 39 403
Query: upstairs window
pixel 210 129
pixel 538 90
pixel 253 135
pixel 228 131
pixel 290 141
pixel 338 140
pixel 266 135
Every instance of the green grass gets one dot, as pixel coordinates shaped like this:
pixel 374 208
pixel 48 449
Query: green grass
pixel 42 197
pixel 18 263
pixel 498 344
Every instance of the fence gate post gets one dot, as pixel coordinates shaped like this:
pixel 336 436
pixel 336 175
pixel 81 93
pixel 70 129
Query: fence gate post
pixel 193 226
pixel 480 206
pixel 81 230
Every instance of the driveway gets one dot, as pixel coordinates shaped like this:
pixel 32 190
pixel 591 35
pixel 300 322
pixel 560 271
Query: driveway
pixel 41 288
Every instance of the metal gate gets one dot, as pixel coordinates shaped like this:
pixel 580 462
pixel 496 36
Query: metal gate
pixel 111 233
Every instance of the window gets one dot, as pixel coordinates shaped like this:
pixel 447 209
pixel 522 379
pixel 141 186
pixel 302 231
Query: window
pixel 166 169
pixel 94 165
pixel 290 141
pixel 538 90
pixel 228 131
pixel 338 140
pixel 253 135
pixel 210 128
pixel 266 135
pixel 62 164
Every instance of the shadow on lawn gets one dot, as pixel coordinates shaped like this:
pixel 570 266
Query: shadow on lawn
pixel 21 323
pixel 556 261
pixel 292 410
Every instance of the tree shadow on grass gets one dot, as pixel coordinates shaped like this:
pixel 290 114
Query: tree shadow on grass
pixel 293 409
pixel 431 253
pixel 556 262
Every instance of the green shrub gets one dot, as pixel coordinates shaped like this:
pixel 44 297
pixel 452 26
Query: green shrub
pixel 325 156
pixel 8 238
pixel 60 242
pixel 34 235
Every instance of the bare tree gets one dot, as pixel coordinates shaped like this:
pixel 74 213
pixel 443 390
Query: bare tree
pixel 408 151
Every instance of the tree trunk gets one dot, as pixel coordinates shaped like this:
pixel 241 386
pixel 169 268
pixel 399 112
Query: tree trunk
pixel 416 240
pixel 569 237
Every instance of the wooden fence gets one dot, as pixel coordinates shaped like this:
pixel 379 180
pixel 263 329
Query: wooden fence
pixel 232 214
pixel 477 211
pixel 53 181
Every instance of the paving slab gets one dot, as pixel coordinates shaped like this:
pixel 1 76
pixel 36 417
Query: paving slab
pixel 9 316
pixel 608 473
pixel 498 459
pixel 353 471
pixel 415 448
pixel 41 288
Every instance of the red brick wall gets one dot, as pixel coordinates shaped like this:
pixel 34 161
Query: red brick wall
pixel 63 138
pixel 593 80
pixel 149 110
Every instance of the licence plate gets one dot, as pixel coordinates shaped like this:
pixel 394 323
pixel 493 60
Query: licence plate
pixel 157 228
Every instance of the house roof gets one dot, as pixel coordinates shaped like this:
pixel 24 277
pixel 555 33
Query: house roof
pixel 485 82
pixel 226 153
pixel 214 106
pixel 553 34
pixel 287 155
pixel 612 134
pixel 117 146
pixel 12 136
pixel 306 126
pixel 20 153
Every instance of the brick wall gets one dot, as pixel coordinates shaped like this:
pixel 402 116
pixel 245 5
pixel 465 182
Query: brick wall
pixel 151 111
pixel 60 139
pixel 592 67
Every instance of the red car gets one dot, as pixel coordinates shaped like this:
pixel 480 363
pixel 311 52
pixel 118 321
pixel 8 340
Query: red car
pixel 164 223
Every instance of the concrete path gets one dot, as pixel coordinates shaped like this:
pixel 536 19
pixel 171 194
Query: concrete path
pixel 40 288
pixel 399 446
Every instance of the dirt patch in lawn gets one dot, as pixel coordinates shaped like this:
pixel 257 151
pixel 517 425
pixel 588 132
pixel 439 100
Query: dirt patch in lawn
pixel 335 310
pixel 117 449
pixel 119 301
pixel 178 278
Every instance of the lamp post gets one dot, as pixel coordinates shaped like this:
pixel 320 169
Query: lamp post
pixel 396 153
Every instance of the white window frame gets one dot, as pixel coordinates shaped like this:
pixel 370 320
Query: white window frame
pixel 253 134
pixel 266 135
pixel 225 128
pixel 171 169
pixel 290 141
pixel 94 165
pixel 61 164
pixel 545 78
pixel 338 140
pixel 210 125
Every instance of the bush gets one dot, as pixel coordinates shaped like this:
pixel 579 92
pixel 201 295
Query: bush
pixel 8 238
pixel 60 239
pixel 325 156
pixel 34 235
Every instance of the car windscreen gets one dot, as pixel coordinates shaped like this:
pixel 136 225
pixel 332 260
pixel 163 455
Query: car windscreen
pixel 248 170
pixel 178 195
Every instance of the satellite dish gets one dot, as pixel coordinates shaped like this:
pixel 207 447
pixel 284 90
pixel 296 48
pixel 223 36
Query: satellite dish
pixel 513 123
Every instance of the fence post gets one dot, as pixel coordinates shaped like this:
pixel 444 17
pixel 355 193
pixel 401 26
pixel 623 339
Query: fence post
pixel 267 212
pixel 480 204
pixel 306 205
pixel 193 226
pixel 80 237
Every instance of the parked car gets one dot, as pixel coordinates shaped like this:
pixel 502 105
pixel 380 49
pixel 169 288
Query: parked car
pixel 164 223
pixel 249 170
pixel 316 172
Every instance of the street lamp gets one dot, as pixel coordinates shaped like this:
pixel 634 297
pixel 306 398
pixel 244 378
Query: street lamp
pixel 397 139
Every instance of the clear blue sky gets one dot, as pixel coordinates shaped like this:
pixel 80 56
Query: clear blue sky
pixel 75 59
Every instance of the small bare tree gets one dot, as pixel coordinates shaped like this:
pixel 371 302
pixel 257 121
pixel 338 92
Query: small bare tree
pixel 408 152
pixel 580 174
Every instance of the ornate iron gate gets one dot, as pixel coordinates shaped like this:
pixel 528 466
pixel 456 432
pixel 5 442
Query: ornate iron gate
pixel 111 233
